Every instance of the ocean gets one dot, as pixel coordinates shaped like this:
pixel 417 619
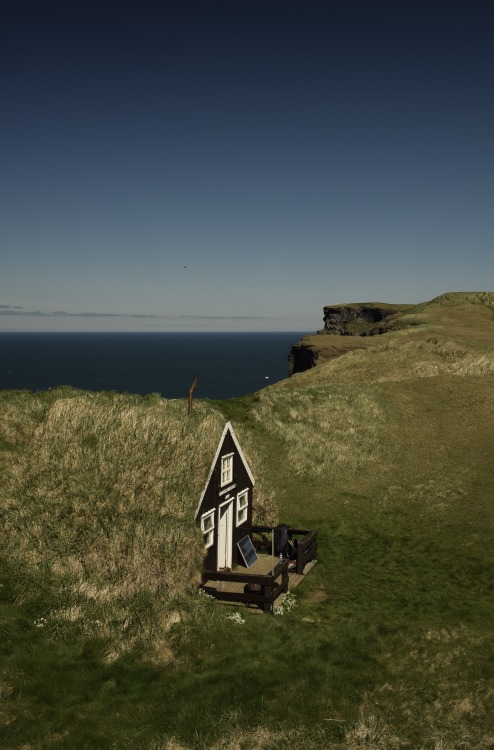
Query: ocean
pixel 226 364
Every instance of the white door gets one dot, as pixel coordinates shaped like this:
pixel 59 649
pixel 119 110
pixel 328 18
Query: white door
pixel 225 535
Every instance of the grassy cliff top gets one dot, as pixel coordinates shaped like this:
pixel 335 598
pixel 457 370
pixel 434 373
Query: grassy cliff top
pixel 386 451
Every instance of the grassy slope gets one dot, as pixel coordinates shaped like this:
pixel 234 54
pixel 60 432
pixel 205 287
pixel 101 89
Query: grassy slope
pixel 388 453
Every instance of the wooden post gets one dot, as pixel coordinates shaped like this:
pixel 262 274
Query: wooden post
pixel 272 552
pixel 268 605
pixel 191 391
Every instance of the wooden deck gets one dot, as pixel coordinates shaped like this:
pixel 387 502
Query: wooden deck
pixel 262 567
pixel 268 578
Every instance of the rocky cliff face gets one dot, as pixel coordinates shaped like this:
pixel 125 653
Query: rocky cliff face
pixel 301 358
pixel 355 320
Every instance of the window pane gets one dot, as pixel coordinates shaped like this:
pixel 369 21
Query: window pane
pixel 242 500
pixel 226 469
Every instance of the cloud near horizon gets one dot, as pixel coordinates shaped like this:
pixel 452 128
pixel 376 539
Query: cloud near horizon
pixel 18 318
pixel 18 310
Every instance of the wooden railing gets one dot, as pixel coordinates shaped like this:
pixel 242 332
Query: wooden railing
pixel 262 590
pixel 306 548
pixel 305 540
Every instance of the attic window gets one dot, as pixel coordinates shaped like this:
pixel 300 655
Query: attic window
pixel 242 505
pixel 226 469
pixel 207 528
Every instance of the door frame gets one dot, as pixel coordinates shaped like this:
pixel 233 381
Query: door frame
pixel 225 534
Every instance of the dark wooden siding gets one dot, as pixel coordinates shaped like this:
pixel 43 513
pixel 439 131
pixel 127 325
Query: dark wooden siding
pixel 212 499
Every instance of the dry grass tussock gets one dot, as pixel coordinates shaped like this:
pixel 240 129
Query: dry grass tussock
pixel 236 738
pixel 20 413
pixel 325 429
pixel 370 732
pixel 98 502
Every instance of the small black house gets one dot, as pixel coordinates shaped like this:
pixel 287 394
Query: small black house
pixel 225 506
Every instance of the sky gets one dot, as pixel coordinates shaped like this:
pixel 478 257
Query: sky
pixel 238 164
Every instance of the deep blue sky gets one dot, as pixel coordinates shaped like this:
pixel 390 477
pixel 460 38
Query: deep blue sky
pixel 289 154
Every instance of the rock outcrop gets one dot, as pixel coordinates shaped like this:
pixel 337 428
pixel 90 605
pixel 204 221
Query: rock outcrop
pixel 356 320
pixel 301 358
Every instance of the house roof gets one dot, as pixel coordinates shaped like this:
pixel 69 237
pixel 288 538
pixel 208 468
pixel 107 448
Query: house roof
pixel 228 428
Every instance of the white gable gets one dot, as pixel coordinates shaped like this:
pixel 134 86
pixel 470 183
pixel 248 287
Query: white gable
pixel 228 428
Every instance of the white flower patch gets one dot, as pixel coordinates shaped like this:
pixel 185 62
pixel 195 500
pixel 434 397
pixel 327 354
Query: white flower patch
pixel 289 603
pixel 41 622
pixel 236 617
pixel 205 595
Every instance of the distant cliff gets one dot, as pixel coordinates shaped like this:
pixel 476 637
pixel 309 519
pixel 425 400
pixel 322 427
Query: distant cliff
pixel 352 320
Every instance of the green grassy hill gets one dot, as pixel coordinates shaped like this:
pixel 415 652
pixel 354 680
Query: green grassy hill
pixel 99 493
pixel 386 450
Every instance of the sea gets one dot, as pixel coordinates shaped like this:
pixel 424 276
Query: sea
pixel 227 365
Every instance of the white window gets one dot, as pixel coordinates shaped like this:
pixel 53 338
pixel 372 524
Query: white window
pixel 242 506
pixel 207 528
pixel 226 469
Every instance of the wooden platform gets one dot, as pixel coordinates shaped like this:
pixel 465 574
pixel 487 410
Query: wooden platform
pixel 268 578
pixel 263 566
